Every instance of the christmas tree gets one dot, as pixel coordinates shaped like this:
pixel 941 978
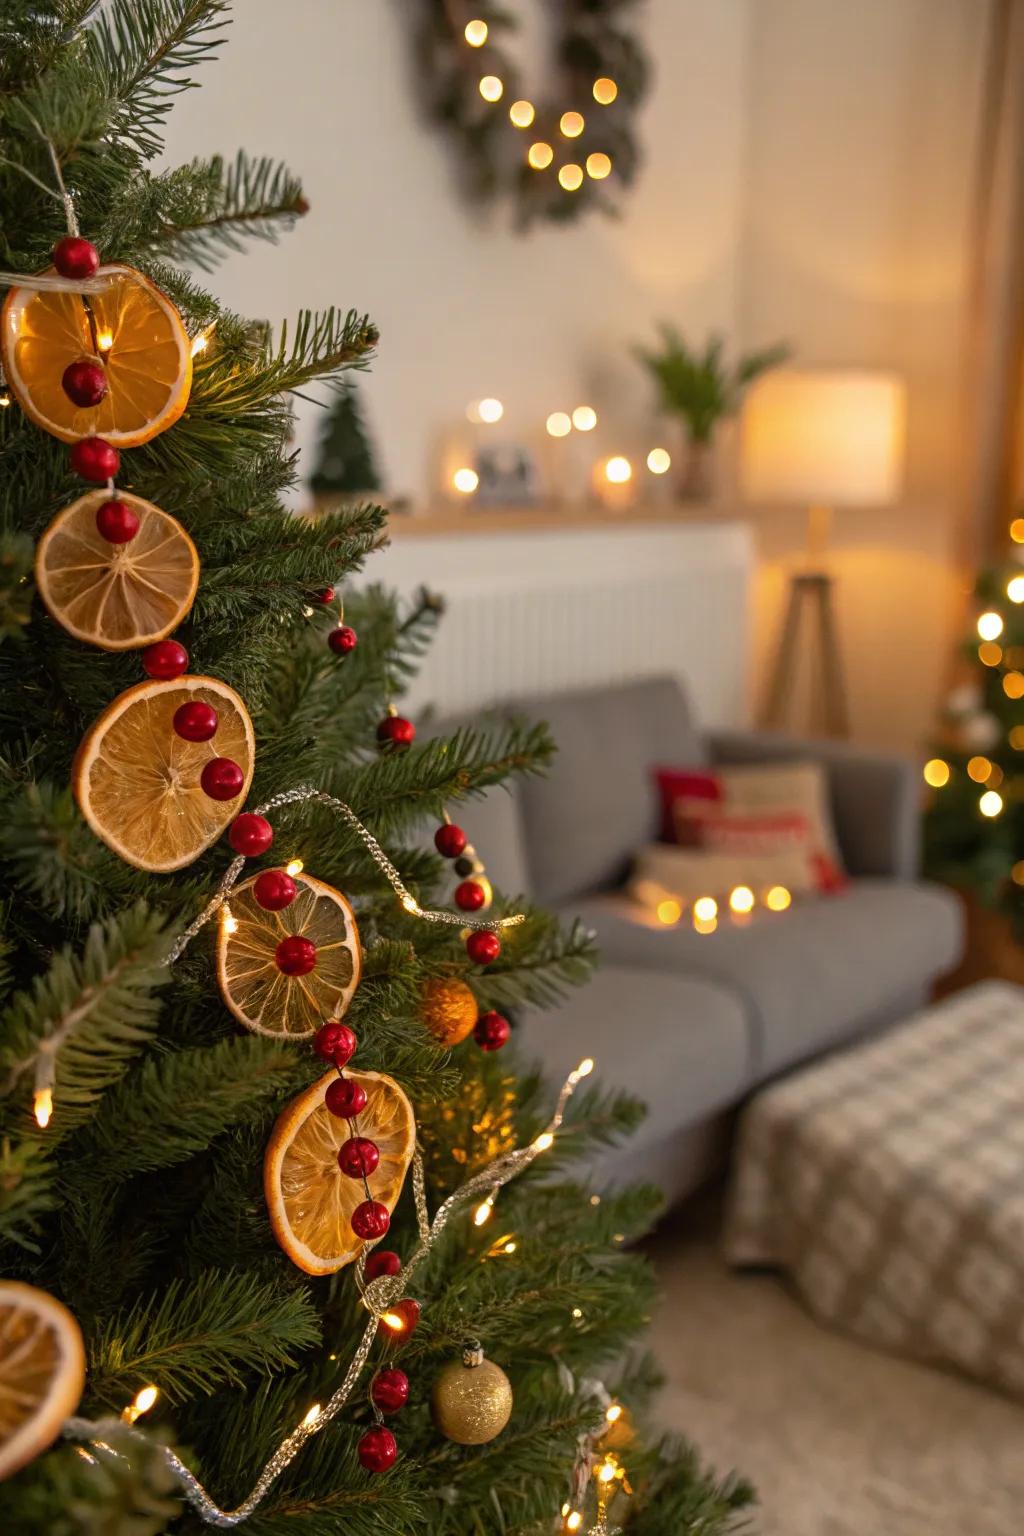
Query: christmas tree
pixel 280 1243
pixel 345 464
pixel 974 829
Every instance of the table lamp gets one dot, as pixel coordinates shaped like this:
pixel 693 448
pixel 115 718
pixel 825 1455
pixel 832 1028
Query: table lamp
pixel 826 438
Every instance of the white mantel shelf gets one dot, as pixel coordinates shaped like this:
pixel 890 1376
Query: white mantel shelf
pixel 482 522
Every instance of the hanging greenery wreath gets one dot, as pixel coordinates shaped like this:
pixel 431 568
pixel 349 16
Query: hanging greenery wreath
pixel 556 155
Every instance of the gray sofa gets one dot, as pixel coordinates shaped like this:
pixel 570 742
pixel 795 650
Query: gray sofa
pixel 689 1022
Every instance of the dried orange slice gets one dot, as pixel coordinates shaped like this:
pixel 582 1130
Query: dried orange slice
pixel 117 596
pixel 309 1199
pixel 252 984
pixel 137 782
pixel 131 327
pixel 42 1372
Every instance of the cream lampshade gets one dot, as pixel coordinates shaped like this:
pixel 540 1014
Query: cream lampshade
pixel 825 438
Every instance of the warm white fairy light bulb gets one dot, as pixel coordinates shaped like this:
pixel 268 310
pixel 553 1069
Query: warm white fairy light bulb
pixel 476 33
pixel 492 88
pixel 522 114
pixel 618 470
pixel 584 418
pixel 990 625
pixel 659 461
pixel 465 480
pixel 543 1142
pixel 484 1211
pixel 295 867
pixel 570 177
pixel 558 424
pixel 490 410
pixel 312 1414
pixel 42 1106
pixel 571 124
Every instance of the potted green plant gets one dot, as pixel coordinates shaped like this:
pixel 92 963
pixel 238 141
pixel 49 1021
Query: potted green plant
pixel 702 389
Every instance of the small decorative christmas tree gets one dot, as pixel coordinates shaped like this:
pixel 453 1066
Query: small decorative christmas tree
pixel 345 464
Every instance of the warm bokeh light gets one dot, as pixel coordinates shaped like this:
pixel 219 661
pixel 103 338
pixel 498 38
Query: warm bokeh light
pixel 522 114
pixel 990 654
pixel 540 155
pixel 491 410
pixel 1013 685
pixel 705 908
pixel 618 470
pixel 599 165
pixel 936 773
pixel 571 177
pixel 659 461
pixel 571 124
pixel 669 911
pixel 491 88
pixel 605 91
pixel 543 1142
pixel 573 1520
pixel 705 924
pixel 979 769
pixel 1017 530
pixel 1015 589
pixel 990 625
pixel 476 33
pixel 995 777
pixel 1017 738
pixel 294 867
pixel 465 480
pixel 584 418
pixel 145 1399
pixel 104 341
pixel 741 900
pixel 613 1413
pixel 42 1106
pixel 1017 872
pixel 558 424
pixel 778 899
pixel 990 803
pixel 483 1213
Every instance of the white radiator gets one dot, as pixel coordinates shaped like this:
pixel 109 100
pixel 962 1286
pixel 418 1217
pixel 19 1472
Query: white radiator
pixel 533 613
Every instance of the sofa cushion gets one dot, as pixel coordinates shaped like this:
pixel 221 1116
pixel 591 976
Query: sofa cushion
pixel 587 817
pixel 679 1043
pixel 823 972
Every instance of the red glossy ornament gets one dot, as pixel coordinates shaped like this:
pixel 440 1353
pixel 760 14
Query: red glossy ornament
pixel 95 459
pixel 342 640
pixel 450 840
pixel 116 522
pixel 389 1390
pixel 250 835
pixel 76 258
pixel 345 1098
pixel 378 1449
pixel 382 1261
pixel 335 1042
pixel 483 946
pixel 326 596
pixel 84 382
pixel 222 779
pixel 164 660
pixel 470 896
pixel 358 1157
pixel 370 1220
pixel 407 1312
pixel 395 733
pixel 274 890
pixel 491 1031
pixel 195 721
pixel 296 955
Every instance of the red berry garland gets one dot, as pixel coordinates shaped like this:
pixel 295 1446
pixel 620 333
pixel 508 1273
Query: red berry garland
pixel 274 890
pixel 76 258
pixel 84 383
pixel 389 1390
pixel 492 1031
pixel 470 896
pixel 164 660
pixel 450 840
pixel 358 1157
pixel 222 779
pixel 250 835
pixel 370 1220
pixel 343 640
pixel 95 459
pixel 345 1098
pixel 395 734
pixel 377 1450
pixel 295 955
pixel 326 596
pixel 483 946
pixel 382 1262
pixel 195 721
pixel 335 1042
pixel 116 522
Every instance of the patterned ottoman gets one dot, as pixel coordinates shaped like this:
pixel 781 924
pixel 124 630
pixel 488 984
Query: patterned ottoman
pixel 889 1183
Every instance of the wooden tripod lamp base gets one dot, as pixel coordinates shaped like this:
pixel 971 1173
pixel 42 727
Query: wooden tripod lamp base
pixel 810 611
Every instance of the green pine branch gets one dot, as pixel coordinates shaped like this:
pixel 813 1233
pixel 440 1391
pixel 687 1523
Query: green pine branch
pixel 224 205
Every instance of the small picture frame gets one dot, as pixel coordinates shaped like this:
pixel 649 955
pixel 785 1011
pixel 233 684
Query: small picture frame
pixel 508 476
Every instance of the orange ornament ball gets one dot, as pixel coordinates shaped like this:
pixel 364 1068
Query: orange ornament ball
pixel 448 1009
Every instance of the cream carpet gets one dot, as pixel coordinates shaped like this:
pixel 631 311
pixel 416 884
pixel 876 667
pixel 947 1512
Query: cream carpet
pixel 839 1440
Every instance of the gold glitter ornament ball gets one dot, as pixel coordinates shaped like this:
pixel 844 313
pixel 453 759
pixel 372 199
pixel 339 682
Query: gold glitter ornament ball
pixel 471 1400
pixel 448 1009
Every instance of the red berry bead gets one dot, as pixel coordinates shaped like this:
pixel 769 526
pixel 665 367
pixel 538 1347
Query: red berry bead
pixel 450 840
pixel 492 1031
pixel 222 779
pixel 326 596
pixel 382 1261
pixel 164 660
pixel 335 1042
pixel 370 1220
pixel 249 834
pixel 395 733
pixel 342 640
pixel 116 522
pixel 470 896
pixel 389 1390
pixel 406 1314
pixel 95 459
pixel 296 955
pixel 195 721
pixel 76 258
pixel 483 946
pixel 377 1449
pixel 345 1098
pixel 358 1157
pixel 274 890
pixel 84 382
